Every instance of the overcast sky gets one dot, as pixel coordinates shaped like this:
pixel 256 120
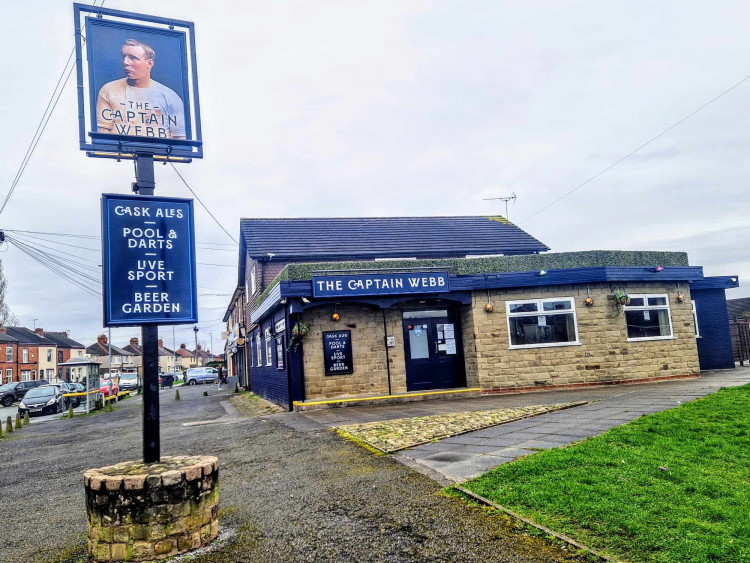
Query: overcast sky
pixel 399 108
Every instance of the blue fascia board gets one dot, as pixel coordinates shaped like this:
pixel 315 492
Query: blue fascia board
pixel 568 276
pixel 716 282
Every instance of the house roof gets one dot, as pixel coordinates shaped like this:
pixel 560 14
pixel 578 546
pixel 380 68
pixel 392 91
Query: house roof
pixel 5 338
pixel 738 308
pixel 99 349
pixel 138 350
pixel 62 340
pixel 357 238
pixel 184 352
pixel 27 336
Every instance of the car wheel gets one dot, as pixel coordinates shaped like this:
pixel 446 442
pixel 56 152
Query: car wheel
pixel 7 401
pixel 191 382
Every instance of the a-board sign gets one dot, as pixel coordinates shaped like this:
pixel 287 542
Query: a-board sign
pixel 350 285
pixel 337 352
pixel 139 88
pixel 148 253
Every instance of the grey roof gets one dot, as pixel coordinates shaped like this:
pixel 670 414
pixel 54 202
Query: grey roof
pixel 5 338
pixel 62 340
pixel 384 237
pixel 98 349
pixel 79 361
pixel 138 350
pixel 27 336
pixel 738 308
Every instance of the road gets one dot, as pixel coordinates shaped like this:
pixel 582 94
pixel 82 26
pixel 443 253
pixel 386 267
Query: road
pixel 287 492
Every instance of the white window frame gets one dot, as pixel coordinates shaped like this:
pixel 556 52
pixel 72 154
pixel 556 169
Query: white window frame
pixel 8 375
pixel 646 297
pixel 25 375
pixel 25 356
pixel 49 354
pixel 258 350
pixel 269 346
pixel 538 313
pixel 695 319
pixel 9 353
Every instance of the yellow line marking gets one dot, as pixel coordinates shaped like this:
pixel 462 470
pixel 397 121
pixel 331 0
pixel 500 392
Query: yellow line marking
pixel 400 395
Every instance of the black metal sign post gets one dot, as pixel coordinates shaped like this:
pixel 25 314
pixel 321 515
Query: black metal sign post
pixel 145 185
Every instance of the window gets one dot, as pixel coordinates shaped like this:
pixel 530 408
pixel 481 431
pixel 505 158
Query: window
pixel 279 352
pixel 49 354
pixel 33 374
pixel 269 359
pixel 647 317
pixel 115 360
pixel 25 355
pixel 253 287
pixel 258 349
pixel 9 353
pixel 8 375
pixel 60 357
pixel 25 375
pixel 695 320
pixel 542 322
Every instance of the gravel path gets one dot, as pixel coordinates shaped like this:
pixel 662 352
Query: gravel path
pixel 287 494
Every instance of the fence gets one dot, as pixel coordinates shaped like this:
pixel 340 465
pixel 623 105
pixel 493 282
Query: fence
pixel 740 329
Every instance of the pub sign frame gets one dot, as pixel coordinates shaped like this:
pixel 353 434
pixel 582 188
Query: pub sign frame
pixel 174 71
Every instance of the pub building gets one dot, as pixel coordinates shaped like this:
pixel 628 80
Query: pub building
pixel 350 310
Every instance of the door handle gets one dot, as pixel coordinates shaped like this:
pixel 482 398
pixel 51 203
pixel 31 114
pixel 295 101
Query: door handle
pixel 437 348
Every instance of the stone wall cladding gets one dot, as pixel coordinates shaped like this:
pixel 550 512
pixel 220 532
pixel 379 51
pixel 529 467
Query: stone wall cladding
pixel 604 355
pixel 370 375
pixel 140 512
pixel 470 344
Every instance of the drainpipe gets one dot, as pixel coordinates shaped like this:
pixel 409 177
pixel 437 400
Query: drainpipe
pixel 387 357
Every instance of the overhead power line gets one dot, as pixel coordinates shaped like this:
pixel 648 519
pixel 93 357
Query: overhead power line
pixel 631 153
pixel 201 202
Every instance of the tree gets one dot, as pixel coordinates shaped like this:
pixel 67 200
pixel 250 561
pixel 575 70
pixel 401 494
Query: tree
pixel 6 317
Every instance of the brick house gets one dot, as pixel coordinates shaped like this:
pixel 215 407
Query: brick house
pixel 122 360
pixel 67 348
pixel 336 309
pixel 166 356
pixel 27 355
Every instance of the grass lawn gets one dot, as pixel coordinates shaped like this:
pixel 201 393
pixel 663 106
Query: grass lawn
pixel 672 486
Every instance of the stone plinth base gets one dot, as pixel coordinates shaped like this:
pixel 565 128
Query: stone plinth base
pixel 140 512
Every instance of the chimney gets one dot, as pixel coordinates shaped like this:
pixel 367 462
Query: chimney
pixel 134 341
pixel 101 339
pixel 64 333
pixel 182 346
pixel 161 343
pixel 197 347
pixel 5 330
pixel 39 331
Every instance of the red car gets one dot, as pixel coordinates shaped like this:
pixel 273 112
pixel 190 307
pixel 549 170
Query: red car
pixel 109 387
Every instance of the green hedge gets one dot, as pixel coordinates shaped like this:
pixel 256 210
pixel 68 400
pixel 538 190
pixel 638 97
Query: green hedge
pixel 467 266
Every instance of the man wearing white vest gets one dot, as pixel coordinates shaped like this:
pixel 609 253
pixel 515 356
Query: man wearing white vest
pixel 137 104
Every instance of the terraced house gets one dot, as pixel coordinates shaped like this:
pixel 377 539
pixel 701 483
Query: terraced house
pixel 335 310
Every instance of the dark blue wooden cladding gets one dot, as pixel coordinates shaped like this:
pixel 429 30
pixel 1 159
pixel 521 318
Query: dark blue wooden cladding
pixel 337 352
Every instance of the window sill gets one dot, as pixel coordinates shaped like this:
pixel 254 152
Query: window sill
pixel 646 339
pixel 548 345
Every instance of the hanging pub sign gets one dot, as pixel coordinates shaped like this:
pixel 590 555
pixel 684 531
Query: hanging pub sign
pixel 337 352
pixel 350 285
pixel 139 90
pixel 148 252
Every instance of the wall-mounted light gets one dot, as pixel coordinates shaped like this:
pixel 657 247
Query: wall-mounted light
pixel 542 272
pixel 658 268
pixel 335 317
pixel 733 280
pixel 305 300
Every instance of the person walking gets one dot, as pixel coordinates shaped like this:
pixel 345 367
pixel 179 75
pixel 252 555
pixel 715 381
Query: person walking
pixel 222 376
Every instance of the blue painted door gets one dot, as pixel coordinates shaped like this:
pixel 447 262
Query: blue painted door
pixel 434 351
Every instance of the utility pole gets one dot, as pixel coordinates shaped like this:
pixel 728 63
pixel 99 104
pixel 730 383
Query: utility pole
pixel 35 320
pixel 512 197
pixel 195 332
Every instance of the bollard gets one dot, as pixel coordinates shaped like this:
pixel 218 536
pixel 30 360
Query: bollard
pixel 176 394
pixel 205 393
pixel 70 411
pixel 19 424
pixel 8 426
pixel 236 387
pixel 26 420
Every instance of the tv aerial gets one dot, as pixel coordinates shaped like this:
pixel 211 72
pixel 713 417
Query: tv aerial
pixel 512 197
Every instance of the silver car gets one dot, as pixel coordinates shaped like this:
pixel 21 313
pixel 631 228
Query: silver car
pixel 193 376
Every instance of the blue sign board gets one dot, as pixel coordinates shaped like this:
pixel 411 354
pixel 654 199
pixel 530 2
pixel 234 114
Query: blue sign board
pixel 352 285
pixel 148 248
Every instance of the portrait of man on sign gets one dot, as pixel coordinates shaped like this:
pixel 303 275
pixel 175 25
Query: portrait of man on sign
pixel 137 104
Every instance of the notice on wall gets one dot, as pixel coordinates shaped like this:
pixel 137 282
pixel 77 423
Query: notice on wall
pixel 450 346
pixel 337 352
pixel 148 267
pixel 448 331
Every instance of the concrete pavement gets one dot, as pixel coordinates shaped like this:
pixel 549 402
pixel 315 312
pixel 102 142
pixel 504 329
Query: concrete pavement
pixel 462 457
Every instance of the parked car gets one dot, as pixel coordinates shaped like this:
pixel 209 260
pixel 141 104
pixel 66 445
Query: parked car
pixel 193 376
pixel 47 399
pixel 109 387
pixel 64 388
pixel 12 392
pixel 129 382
